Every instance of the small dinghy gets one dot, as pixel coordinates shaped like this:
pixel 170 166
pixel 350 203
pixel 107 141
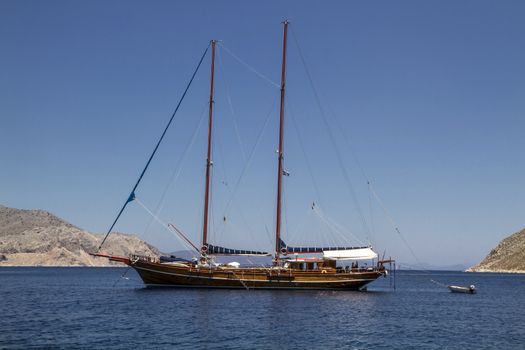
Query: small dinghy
pixel 458 289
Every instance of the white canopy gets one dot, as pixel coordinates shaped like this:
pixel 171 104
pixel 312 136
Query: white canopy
pixel 350 254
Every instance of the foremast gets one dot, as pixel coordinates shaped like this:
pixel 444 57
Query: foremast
pixel 209 162
pixel 280 151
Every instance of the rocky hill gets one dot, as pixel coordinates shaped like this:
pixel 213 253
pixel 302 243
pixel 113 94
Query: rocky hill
pixel 39 238
pixel 508 256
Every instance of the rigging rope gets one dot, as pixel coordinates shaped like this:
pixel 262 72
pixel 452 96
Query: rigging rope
pixel 393 223
pixel 178 168
pixel 290 237
pixel 333 225
pixel 303 149
pixel 228 97
pixel 246 158
pixel 332 138
pixel 370 209
pixel 163 224
pixel 301 143
pixel 260 75
pixel 250 158
pixel 131 196
pixel 123 276
pixel 438 283
pixel 359 166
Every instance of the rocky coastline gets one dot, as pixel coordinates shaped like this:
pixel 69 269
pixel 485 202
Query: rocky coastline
pixel 39 238
pixel 507 257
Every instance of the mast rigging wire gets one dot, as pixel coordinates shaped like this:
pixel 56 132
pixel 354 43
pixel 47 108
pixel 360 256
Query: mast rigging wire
pixel 291 236
pixel 358 163
pixel 355 159
pixel 246 158
pixel 253 70
pixel 228 97
pixel 166 226
pixel 178 169
pixel 301 143
pixel 131 196
pixel 335 227
pixel 303 149
pixel 393 223
pixel 330 133
pixel 250 158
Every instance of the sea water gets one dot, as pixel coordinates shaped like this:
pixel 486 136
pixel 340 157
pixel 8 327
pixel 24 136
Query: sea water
pixel 94 308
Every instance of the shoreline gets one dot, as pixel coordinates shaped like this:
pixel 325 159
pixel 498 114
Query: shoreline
pixel 496 271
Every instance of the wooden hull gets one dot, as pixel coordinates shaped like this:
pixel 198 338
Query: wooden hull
pixel 165 275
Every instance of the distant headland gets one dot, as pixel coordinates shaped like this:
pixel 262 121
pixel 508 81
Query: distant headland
pixel 508 256
pixel 39 238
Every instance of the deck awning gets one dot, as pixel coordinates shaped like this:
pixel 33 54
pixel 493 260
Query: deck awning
pixel 340 253
pixel 285 249
pixel 351 254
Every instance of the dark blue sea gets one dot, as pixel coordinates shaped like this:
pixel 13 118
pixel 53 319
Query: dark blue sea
pixel 95 308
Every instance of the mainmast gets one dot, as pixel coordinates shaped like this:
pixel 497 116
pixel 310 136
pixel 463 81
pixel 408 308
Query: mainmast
pixel 208 158
pixel 280 151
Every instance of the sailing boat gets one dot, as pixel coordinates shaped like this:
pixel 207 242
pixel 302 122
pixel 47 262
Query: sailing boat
pixel 286 272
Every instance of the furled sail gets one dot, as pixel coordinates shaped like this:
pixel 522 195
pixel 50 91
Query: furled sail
pixel 216 250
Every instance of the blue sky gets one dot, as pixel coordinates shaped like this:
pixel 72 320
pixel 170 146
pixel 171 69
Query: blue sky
pixel 429 96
